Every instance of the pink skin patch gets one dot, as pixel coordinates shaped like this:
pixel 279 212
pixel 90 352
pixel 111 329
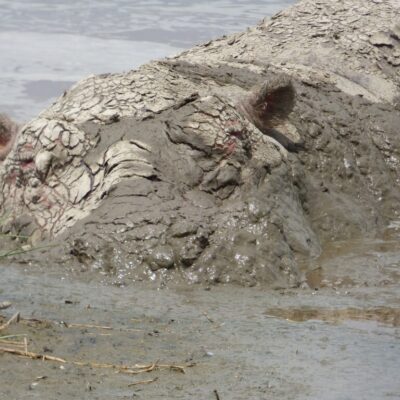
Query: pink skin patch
pixel 230 147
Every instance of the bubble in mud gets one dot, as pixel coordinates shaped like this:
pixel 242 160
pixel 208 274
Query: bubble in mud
pixel 161 257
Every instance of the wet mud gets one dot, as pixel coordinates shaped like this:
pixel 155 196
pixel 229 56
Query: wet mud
pixel 254 343
pixel 336 337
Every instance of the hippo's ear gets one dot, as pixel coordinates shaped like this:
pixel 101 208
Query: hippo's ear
pixel 8 132
pixel 268 105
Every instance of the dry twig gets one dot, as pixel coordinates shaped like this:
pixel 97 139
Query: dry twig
pixel 12 342
pixel 87 326
pixel 33 356
pixel 14 318
pixel 126 369
pixel 143 382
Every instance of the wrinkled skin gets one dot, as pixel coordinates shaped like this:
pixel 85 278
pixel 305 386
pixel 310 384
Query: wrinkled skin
pixel 232 162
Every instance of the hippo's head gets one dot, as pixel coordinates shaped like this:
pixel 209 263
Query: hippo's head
pixel 186 175
pixel 61 170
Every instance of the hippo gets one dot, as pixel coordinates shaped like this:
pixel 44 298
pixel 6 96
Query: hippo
pixel 236 161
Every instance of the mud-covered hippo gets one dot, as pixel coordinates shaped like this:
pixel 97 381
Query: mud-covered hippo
pixel 232 162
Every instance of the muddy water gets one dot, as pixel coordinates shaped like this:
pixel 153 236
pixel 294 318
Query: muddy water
pixel 335 341
pixel 383 315
pixel 369 262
